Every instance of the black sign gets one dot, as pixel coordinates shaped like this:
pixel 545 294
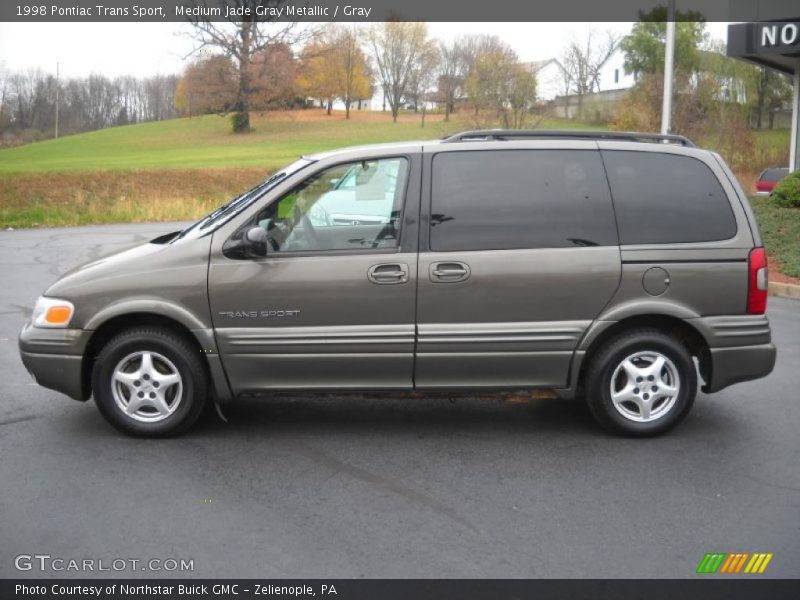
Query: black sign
pixel 778 37
pixel 773 44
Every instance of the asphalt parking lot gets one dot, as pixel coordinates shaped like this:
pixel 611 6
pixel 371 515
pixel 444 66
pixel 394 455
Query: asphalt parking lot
pixel 376 487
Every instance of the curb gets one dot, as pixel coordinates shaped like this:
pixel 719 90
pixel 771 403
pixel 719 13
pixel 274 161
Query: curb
pixel 784 290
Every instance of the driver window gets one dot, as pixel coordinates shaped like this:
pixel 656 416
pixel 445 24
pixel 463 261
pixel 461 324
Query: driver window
pixel 350 206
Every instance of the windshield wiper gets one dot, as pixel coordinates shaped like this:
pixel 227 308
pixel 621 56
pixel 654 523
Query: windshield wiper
pixel 241 200
pixel 233 204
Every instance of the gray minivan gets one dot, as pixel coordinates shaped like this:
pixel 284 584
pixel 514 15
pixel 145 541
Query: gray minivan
pixel 622 268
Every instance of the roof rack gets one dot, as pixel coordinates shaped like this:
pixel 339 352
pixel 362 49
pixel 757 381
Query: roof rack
pixel 479 135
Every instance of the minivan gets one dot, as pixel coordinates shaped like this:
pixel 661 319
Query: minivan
pixel 622 269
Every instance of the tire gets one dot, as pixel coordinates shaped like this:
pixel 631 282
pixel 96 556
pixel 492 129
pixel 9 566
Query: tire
pixel 150 382
pixel 644 366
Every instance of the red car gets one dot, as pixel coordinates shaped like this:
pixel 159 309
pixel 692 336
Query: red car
pixel 768 179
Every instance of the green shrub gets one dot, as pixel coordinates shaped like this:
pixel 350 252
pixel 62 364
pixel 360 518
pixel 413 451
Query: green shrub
pixel 787 192
pixel 240 122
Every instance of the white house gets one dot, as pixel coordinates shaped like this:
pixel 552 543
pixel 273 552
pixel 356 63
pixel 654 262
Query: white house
pixel 613 75
pixel 551 79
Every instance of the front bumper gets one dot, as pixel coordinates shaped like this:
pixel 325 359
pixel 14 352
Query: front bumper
pixel 739 363
pixel 55 358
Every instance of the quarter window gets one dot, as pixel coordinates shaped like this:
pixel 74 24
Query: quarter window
pixel 508 199
pixel 667 198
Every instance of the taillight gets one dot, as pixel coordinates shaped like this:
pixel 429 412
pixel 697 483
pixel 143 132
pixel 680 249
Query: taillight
pixel 763 186
pixel 757 282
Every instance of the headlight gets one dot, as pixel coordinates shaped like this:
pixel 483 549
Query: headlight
pixel 52 312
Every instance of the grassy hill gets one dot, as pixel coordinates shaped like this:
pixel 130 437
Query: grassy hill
pixel 182 168
pixel 206 142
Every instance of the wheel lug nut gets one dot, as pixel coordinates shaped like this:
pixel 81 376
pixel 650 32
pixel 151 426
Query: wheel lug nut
pixel 638 379
pixel 152 394
pixel 137 383
pixel 155 384
pixel 635 390
pixel 655 388
pixel 647 396
pixel 145 376
pixel 140 394
pixel 650 378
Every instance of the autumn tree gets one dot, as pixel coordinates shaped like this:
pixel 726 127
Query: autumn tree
pixel 498 85
pixel 335 66
pixel 273 78
pixel 351 67
pixel 317 78
pixel 396 46
pixel 243 39
pixel 207 86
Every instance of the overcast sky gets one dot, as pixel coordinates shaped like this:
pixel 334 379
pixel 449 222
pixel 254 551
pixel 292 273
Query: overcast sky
pixel 152 48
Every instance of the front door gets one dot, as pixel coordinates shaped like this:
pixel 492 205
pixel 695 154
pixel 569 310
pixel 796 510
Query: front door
pixel 332 303
pixel 519 255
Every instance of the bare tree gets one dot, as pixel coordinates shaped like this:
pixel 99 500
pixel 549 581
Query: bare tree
pixel 244 38
pixel 396 46
pixel 451 74
pixel 583 61
pixel 422 75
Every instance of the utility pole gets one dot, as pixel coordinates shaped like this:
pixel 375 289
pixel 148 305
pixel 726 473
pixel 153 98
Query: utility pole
pixel 57 99
pixel 669 51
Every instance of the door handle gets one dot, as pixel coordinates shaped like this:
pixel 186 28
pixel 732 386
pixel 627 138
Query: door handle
pixel 449 272
pixel 388 273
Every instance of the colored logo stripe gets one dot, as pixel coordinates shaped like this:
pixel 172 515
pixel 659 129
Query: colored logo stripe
pixel 735 562
pixel 758 564
pixel 721 562
pixel 710 563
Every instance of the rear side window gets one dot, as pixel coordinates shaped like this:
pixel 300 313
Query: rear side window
pixel 773 174
pixel 667 198
pixel 509 199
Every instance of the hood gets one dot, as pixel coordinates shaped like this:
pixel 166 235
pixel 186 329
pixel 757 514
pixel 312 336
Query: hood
pixel 150 273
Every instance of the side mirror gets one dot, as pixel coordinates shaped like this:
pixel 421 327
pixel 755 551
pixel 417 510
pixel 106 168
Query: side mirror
pixel 255 241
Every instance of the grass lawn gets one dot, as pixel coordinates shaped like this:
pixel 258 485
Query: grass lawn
pixel 206 142
pixel 182 168
pixel 780 230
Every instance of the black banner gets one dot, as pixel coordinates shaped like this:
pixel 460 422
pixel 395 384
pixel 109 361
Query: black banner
pixel 734 588
pixel 383 10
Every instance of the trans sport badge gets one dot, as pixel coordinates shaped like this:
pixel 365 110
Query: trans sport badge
pixel 259 314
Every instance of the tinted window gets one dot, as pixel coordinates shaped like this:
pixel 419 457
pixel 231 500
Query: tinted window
pixel 506 199
pixel 666 198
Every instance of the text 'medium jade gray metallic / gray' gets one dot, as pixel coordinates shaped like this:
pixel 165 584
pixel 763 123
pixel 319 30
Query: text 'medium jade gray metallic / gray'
pixel 492 260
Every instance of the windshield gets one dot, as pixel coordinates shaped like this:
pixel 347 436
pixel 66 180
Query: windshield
pixel 239 203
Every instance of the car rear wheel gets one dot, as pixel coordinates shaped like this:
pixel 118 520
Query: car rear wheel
pixel 641 383
pixel 150 382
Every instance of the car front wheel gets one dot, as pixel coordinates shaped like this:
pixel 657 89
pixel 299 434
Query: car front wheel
pixel 149 382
